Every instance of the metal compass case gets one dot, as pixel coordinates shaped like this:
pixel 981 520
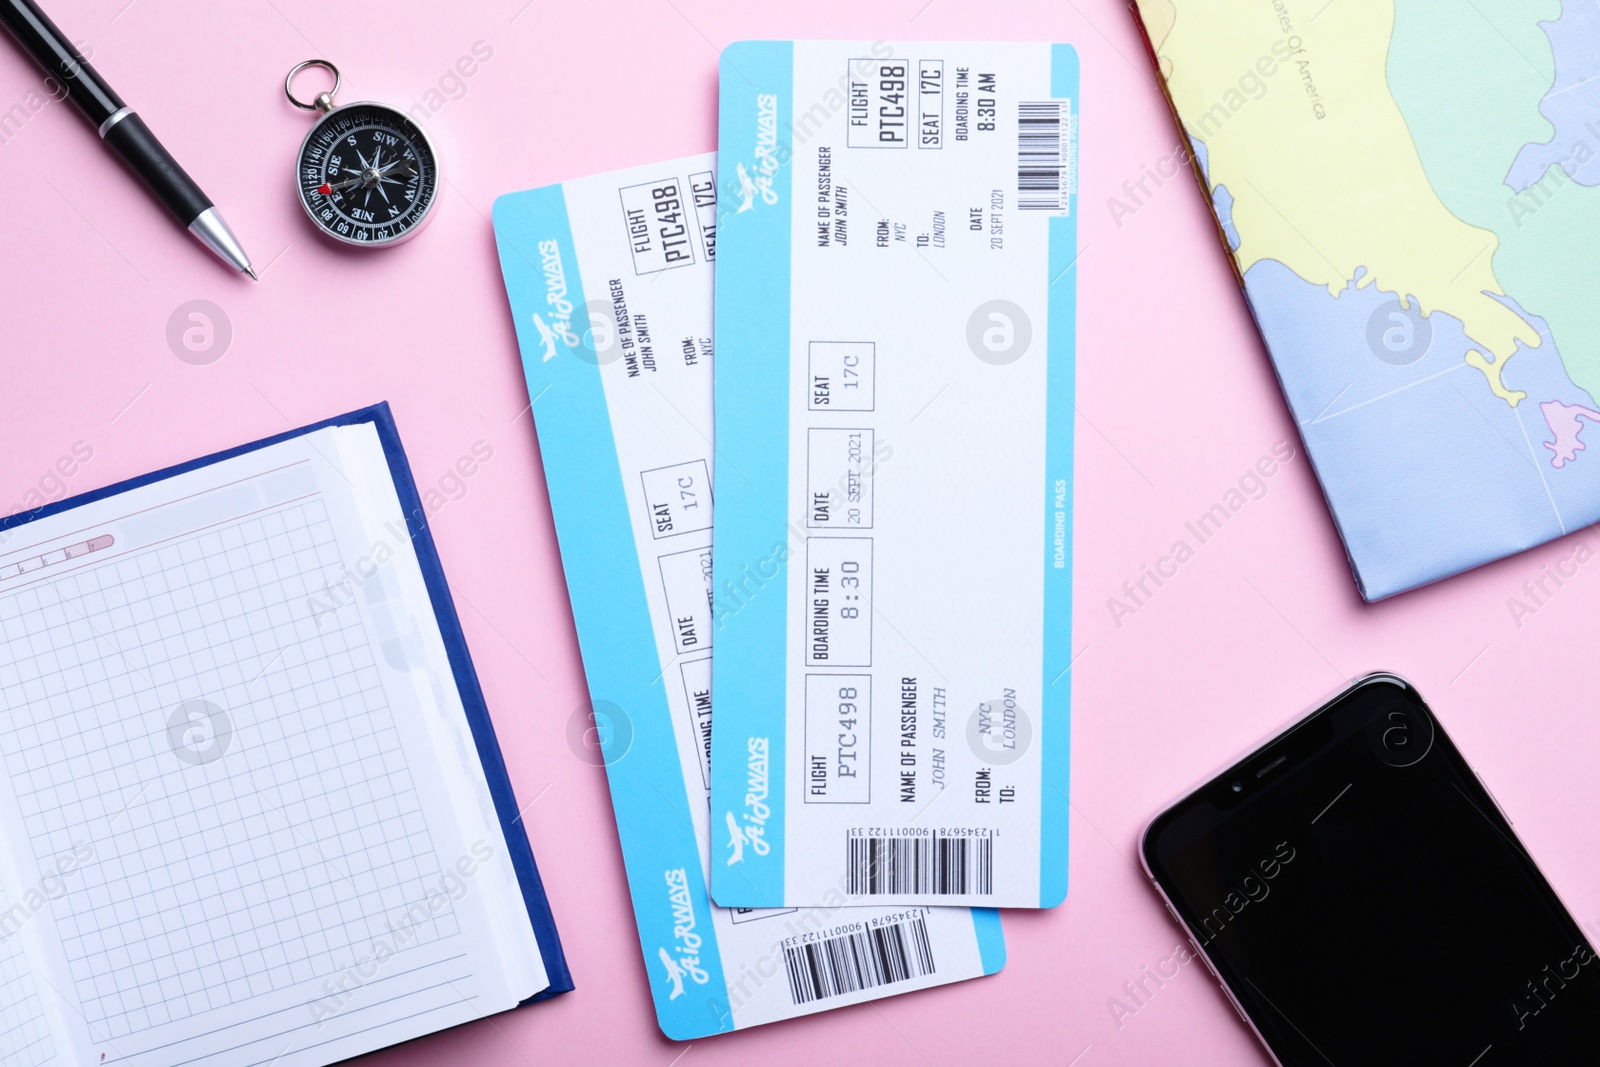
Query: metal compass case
pixel 367 175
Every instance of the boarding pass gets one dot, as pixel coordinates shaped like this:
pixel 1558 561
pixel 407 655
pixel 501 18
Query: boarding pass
pixel 610 280
pixel 895 307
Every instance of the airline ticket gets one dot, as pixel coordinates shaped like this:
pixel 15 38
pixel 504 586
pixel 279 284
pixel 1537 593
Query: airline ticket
pixel 610 282
pixel 895 314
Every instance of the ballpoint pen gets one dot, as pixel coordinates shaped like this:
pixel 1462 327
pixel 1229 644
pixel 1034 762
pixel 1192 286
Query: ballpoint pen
pixel 122 129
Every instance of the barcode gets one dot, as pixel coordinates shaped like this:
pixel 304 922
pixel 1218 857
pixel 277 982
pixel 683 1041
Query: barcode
pixel 859 960
pixel 1043 129
pixel 942 866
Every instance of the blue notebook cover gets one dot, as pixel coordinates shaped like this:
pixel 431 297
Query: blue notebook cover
pixel 494 768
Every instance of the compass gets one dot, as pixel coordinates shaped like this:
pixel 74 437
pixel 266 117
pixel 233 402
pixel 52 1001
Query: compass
pixel 367 175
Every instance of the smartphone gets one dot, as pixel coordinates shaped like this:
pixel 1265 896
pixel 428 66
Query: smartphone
pixel 1362 899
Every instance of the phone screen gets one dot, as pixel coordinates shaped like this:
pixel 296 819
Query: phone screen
pixel 1366 902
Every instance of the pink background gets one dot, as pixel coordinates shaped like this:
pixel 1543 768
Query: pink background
pixel 1176 396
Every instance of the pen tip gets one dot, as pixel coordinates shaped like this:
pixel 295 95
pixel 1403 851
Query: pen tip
pixel 252 272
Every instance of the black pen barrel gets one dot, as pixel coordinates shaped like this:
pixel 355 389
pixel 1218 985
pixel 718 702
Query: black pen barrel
pixel 55 53
pixel 154 165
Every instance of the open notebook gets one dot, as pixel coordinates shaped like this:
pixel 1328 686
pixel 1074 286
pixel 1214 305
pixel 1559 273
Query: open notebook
pixel 252 810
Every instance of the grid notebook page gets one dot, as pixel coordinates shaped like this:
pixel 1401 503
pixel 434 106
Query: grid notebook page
pixel 218 750
pixel 25 1037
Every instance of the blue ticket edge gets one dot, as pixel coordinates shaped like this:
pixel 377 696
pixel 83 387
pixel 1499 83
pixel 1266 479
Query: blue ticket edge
pixel 540 265
pixel 750 524
pixel 612 617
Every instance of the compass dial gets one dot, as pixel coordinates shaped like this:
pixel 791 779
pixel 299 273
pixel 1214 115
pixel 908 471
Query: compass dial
pixel 367 175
